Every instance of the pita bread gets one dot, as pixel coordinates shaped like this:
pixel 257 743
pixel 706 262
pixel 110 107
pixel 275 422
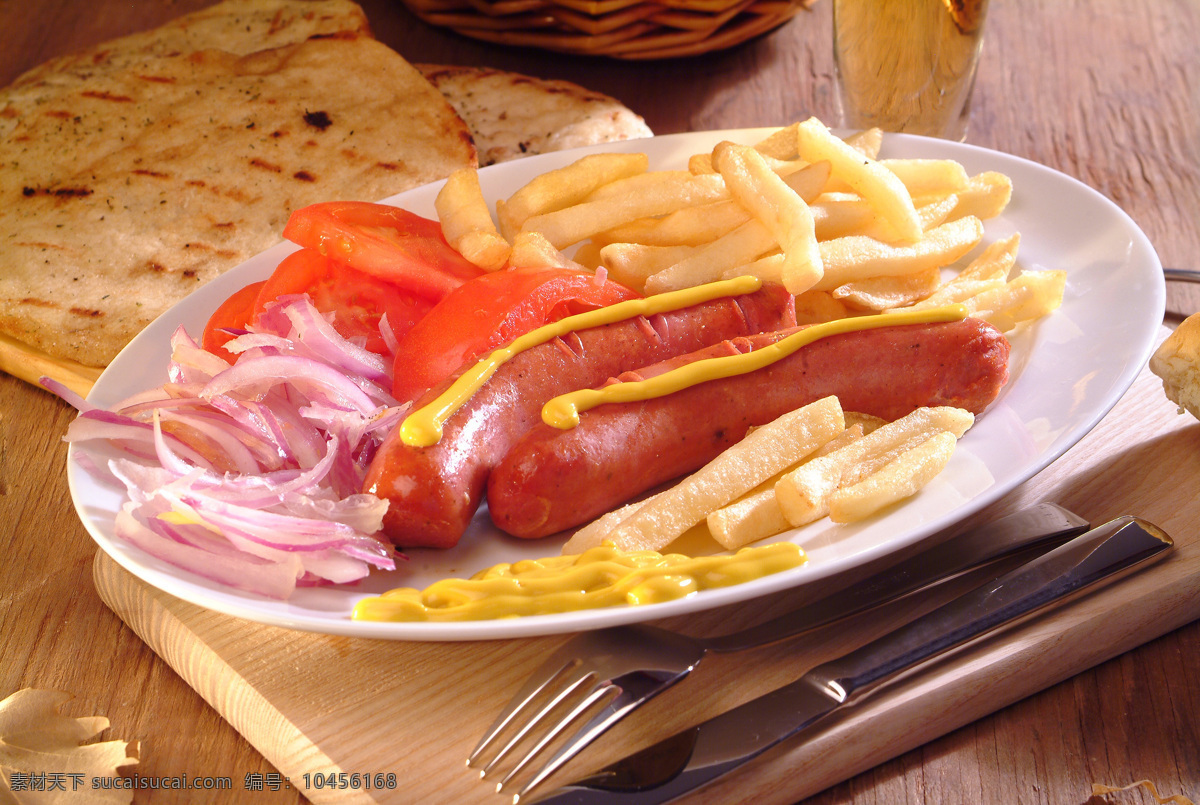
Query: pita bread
pixel 235 26
pixel 512 115
pixel 125 192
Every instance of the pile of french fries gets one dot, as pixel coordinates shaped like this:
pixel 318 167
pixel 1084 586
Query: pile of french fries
pixel 817 461
pixel 846 232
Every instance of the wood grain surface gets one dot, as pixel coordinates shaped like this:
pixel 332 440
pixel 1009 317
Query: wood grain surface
pixel 1105 91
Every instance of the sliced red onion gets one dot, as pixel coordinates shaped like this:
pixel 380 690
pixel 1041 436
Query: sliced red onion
pixel 249 474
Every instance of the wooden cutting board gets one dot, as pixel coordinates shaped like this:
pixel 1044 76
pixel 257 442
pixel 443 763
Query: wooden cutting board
pixel 320 704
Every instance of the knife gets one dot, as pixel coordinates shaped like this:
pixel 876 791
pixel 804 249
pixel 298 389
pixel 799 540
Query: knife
pixel 695 757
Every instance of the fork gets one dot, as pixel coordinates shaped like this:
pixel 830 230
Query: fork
pixel 630 665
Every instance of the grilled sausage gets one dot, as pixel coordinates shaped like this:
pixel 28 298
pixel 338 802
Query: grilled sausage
pixel 555 479
pixel 433 492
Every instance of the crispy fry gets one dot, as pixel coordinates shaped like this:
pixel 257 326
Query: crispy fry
pixel 856 257
pixel 565 186
pixel 804 494
pixel 815 307
pixel 725 255
pixel 690 226
pixel 1028 296
pixel 763 453
pixel 779 208
pixel 925 177
pixel 626 200
pixel 531 250
pixel 467 223
pixel 985 196
pixel 867 142
pixel 875 183
pixel 987 271
pixel 632 264
pixel 889 293
pixel 757 515
pixel 899 479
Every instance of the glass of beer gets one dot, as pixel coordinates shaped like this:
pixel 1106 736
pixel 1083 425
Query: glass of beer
pixel 907 65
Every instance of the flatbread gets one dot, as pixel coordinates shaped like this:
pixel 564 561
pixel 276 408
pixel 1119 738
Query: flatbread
pixel 235 26
pixel 125 192
pixel 512 115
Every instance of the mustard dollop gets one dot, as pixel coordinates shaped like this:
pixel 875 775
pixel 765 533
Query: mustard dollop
pixel 603 576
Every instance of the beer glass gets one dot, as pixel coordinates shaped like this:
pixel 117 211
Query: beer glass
pixel 907 65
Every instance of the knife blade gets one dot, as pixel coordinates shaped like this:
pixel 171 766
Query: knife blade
pixel 693 758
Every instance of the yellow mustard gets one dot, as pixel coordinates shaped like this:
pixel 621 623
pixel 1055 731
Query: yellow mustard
pixel 603 576
pixel 423 427
pixel 563 411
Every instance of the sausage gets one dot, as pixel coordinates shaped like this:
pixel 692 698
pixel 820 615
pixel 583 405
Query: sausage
pixel 555 479
pixel 433 492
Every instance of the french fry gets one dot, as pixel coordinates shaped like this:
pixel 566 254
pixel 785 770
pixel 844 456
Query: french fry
pixel 632 264
pixel 867 142
pixel 889 293
pixel 925 177
pixel 621 203
pixel 985 196
pixel 815 307
pixel 1028 296
pixel 856 257
pixel 690 226
pixel 565 186
pixel 763 453
pixel 987 271
pixel 467 222
pixel 875 183
pixel 804 494
pixel 779 208
pixel 694 226
pixel 779 146
pixel 595 532
pixel 901 478
pixel 531 250
pixel 757 515
pixel 587 254
pixel 710 262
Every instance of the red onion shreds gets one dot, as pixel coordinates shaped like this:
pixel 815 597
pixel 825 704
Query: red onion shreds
pixel 249 474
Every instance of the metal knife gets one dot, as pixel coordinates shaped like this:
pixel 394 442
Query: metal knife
pixel 695 757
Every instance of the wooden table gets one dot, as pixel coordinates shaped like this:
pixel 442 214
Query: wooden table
pixel 1104 90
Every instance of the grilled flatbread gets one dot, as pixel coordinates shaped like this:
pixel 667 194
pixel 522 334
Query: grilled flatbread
pixel 512 115
pixel 235 26
pixel 143 167
pixel 124 193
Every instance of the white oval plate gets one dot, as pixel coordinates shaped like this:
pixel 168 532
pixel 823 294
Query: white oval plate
pixel 1067 373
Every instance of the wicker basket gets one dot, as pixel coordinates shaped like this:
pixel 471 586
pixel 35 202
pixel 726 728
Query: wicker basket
pixel 623 29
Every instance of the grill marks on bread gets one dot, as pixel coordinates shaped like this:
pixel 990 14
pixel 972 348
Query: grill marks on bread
pixel 121 195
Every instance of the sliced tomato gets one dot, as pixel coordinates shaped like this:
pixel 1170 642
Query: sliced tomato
pixel 384 241
pixel 356 299
pixel 233 315
pixel 488 312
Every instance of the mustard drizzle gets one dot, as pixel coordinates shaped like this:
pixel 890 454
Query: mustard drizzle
pixel 423 427
pixel 563 411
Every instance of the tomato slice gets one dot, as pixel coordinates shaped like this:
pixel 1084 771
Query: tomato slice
pixel 488 312
pixel 384 241
pixel 356 299
pixel 233 314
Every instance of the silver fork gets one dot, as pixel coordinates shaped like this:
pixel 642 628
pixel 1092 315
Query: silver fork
pixel 630 665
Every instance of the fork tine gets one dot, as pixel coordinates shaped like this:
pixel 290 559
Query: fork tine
pixel 635 688
pixel 584 706
pixel 532 688
pixel 541 714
